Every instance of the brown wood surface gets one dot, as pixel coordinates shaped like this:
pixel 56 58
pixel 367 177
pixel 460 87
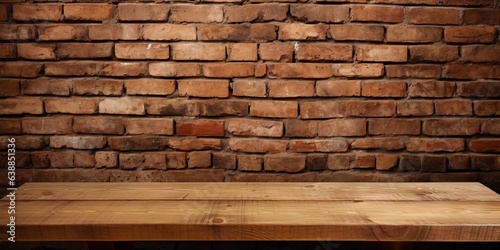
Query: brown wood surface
pixel 256 211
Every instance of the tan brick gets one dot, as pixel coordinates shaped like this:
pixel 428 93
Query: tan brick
pixel 322 109
pixel 84 50
pixel 257 146
pixel 149 86
pixel 123 106
pixel 98 125
pixel 424 15
pixel 237 32
pixel 198 51
pixel 276 51
pixel 62 32
pixel 176 160
pixel 204 88
pixel 325 146
pixel 338 88
pixel 408 34
pixel 394 126
pixel 47 125
pixel 37 12
pixel 72 68
pixel 299 70
pixel 106 159
pixel 97 87
pixel 155 160
pixel 242 51
pixel 435 144
pixel 36 51
pixel 130 161
pixel 149 126
pixel 386 161
pixel 470 34
pixel 253 127
pixel 323 52
pixel 21 106
pixel 195 144
pixel 169 69
pixel 381 53
pixel 77 142
pixel 20 69
pixel 481 16
pixel 122 69
pixel 281 109
pixel 301 128
pixel 359 70
pixel 451 126
pixel 476 53
pixel 370 108
pixel 355 32
pixel 433 53
pixel 200 127
pixel 228 70
pixel 17 32
pixel 384 89
pixel 342 127
pixel 431 89
pixel 249 87
pixel 415 108
pixel 142 51
pixel 290 88
pixel 310 13
pixel 453 107
pixel 137 143
pixel 250 162
pixel 414 71
pixel 256 13
pixel 377 13
pixel 203 13
pixel 299 31
pixel 71 106
pixel 88 12
pixel 386 143
pixel 340 161
pixel 61 159
pixel 201 159
pixel 471 71
pixel 142 12
pixel 285 163
pixel 115 32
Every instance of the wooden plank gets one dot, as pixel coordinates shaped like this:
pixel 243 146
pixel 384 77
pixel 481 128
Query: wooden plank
pixel 257 191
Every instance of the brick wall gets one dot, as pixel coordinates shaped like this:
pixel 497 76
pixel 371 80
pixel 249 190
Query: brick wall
pixel 259 90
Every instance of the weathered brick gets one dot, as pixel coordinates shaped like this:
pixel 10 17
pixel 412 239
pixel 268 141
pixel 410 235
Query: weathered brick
pixel 23 142
pixel 77 142
pixel 342 127
pixel 195 144
pixel 338 88
pixel 471 71
pixel 131 161
pixel 36 51
pixel 61 159
pixel 37 12
pixel 203 13
pixel 249 87
pixel 487 108
pixel 469 2
pixel 355 32
pixel 242 51
pixel 415 108
pixel 40 159
pixel 299 70
pixel 276 51
pixel 9 88
pixel 97 87
pixel 282 109
pixel 477 53
pixel 84 50
pixel 62 32
pixel 458 162
pixel 126 105
pixel 381 53
pixel 169 69
pixel 98 125
pixel 469 34
pixel 154 160
pixel 71 106
pixel 17 32
pixel 301 128
pixel 285 163
pixel 340 161
pixel 323 52
pixel 387 143
pixel 176 160
pixel 137 143
pixel 424 15
pixel 10 126
pixel 433 163
pixel 142 12
pixel 122 69
pixel 198 51
pixel 142 51
pixel 433 53
pixel 484 145
pixel 410 163
pixel 257 146
pixel 116 32
pixel 290 88
pixel 252 13
pixel 316 162
pixel 394 126
pixel 322 109
pixel 149 86
pixel 223 108
pixel 21 106
pixel 200 127
pixel 364 161
pixel 408 34
pixel 377 13
pixel 253 127
pixel 250 162
pixel 310 13
pixel 386 161
pixel 324 145
pixel 359 70
pixel 431 89
pixel 485 162
pixel 490 127
pixel 383 89
pixel 170 32
pixel 451 126
pixel 149 126
pixel 481 16
pixel 88 12
pixel 106 159
pixel 224 160
pixel 228 70
pixel 299 31
pixel 20 69
pixel 8 50
pixel 47 125
pixel 435 145
pixel 72 68
pixel 371 108
pixel 414 71
pixel 237 32
pixel 204 88
pixel 453 107
pixel 3 12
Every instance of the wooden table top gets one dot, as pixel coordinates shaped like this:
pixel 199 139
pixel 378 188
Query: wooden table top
pixel 255 211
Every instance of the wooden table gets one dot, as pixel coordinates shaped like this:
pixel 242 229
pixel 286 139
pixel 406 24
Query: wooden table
pixel 395 212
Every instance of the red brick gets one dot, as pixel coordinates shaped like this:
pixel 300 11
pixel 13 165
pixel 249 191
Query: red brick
pixel 249 87
pixel 194 144
pixel 72 68
pixel 41 159
pixel 71 106
pixel 47 125
pixel 37 12
pixel 253 127
pixel 471 71
pixel 223 108
pixel 170 69
pixel 458 162
pixel 198 51
pixel 487 108
pixel 256 13
pixel 196 13
pixel 176 160
pixel 381 53
pixel 451 126
pixel 21 106
pixel 97 87
pixel 201 159
pixel 23 142
pixel 469 2
pixel 17 32
pixel 338 88
pixel 394 127
pixel 355 32
pixel 237 32
pixel 301 128
pixel 359 70
pixel 299 70
pixel 423 15
pixel 342 127
pixel 470 34
pixel 10 126
pixel 431 89
pixel 371 108
pixel 408 34
pixel 387 143
pixel 77 142
pixel 276 51
pixel 414 71
pixel 106 159
pixel 285 163
pixel 224 161
pixel 228 70
pixel 150 86
pixel 290 88
pixel 137 143
pixel 257 146
pixel 61 159
pixel 98 125
pixel 476 53
pixel 490 127
pixel 242 51
pixel 204 88
pixel 9 88
pixel 142 51
pixel 278 109
pixel 8 50
pixel 149 126
pixel 484 145
pixel 433 53
pixel 122 69
pixel 88 12
pixel 299 31
pixel 435 145
pixel 123 106
pixel 364 161
pixel 200 128
pixel 310 13
pixel 415 108
pixel 36 51
pixel 377 13
pixel 322 109
pixel 453 107
pixel 84 50
pixel 20 69
pixel 249 162
pixel 383 89
pixel 323 52
pixel 485 162
pixel 433 163
pixel 340 161
pixel 386 161
pixel 3 12
pixel 62 32
pixel 481 16
pixel 142 12
pixel 116 32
